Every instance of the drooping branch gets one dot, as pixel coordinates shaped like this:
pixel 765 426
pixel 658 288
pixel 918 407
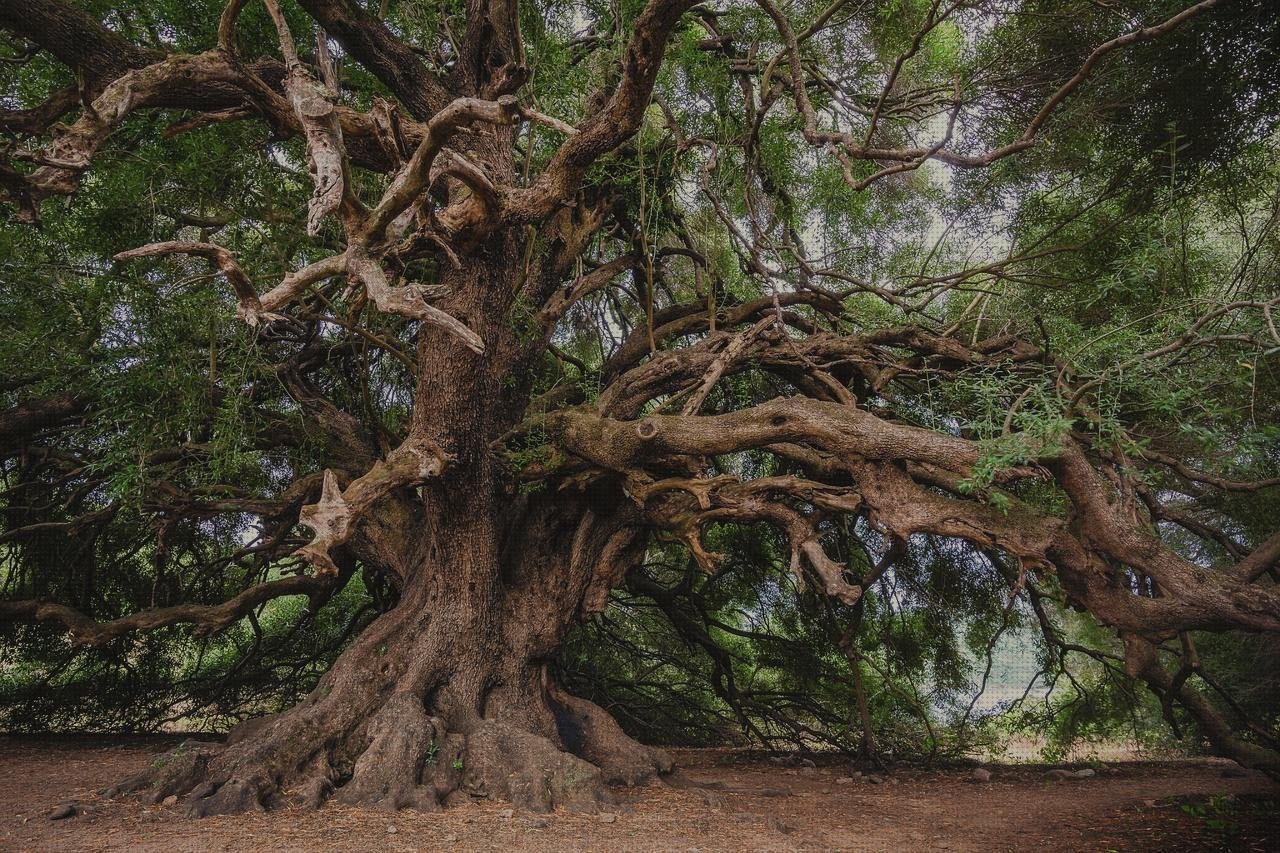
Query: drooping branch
pixel 1182 469
pixel 250 308
pixel 874 453
pixel 1103 526
pixel 726 499
pixel 1142 660
pixel 209 619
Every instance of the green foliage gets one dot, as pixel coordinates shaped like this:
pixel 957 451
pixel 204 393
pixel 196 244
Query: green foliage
pixel 1148 201
pixel 168 679
pixel 745 655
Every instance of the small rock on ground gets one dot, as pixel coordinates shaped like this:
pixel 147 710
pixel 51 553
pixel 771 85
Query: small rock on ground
pixel 980 774
pixel 779 826
pixel 63 810
pixel 507 814
pixel 773 792
pixel 1059 775
pixel 608 817
pixel 713 799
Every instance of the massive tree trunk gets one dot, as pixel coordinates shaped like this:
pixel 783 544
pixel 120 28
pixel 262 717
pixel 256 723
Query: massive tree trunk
pixel 447 696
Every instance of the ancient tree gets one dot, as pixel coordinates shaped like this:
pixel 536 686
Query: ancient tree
pixel 519 290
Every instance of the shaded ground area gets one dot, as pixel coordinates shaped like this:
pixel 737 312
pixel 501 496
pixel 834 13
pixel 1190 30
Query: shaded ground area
pixel 721 801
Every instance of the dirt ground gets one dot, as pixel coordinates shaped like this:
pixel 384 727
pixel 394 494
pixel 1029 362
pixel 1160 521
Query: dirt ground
pixel 720 801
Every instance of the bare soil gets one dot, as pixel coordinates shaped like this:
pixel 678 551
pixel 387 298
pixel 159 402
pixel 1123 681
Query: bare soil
pixel 720 800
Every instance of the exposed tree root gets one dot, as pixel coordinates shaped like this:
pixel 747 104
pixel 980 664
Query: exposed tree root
pixel 506 763
pixel 402 756
pixel 389 773
pixel 589 731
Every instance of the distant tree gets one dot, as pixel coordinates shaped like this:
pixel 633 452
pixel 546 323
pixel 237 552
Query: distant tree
pixel 574 281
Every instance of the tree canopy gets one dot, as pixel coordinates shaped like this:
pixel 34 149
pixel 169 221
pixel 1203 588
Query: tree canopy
pixel 715 363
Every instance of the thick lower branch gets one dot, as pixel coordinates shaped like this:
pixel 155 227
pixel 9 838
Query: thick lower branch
pixel 890 461
pixel 1143 661
pixel 208 618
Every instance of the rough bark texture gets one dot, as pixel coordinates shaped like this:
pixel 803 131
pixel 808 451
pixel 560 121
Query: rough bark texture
pixel 448 695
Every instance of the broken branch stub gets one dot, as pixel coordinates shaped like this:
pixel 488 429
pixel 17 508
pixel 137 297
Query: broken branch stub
pixel 333 517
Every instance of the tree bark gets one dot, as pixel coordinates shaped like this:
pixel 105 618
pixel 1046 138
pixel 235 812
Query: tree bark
pixel 447 697
pixel 867 744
